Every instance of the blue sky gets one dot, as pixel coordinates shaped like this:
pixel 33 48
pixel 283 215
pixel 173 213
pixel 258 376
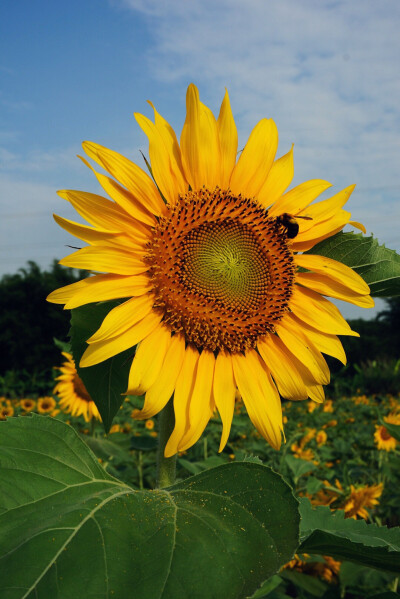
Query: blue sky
pixel 326 71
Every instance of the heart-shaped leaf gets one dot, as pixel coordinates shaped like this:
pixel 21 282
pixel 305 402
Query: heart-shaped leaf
pixel 69 529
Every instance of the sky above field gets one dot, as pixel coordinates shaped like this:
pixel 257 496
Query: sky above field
pixel 327 72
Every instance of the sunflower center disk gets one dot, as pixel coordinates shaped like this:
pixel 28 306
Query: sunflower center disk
pixel 221 269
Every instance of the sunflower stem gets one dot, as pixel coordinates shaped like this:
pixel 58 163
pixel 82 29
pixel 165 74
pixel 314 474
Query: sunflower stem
pixel 166 467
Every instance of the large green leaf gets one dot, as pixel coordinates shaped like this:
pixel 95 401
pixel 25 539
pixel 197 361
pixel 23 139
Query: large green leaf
pixel 105 382
pixel 376 264
pixel 324 532
pixel 393 429
pixel 70 530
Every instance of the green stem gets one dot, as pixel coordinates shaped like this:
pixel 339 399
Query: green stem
pixel 166 467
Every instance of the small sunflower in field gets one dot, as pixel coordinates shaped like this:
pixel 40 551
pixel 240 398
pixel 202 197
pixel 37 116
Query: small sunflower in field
pixel 149 424
pixel 74 398
pixel 208 260
pixel 6 409
pixel 45 405
pixel 361 498
pixel 326 569
pixel 383 439
pixel 27 404
pixel 321 438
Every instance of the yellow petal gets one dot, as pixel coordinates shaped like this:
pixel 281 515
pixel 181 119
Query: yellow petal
pixel 328 344
pixel 83 232
pixel 357 225
pixel 129 174
pixel 99 288
pixel 148 360
pixel 201 155
pixel 316 393
pixel 104 214
pixel 279 178
pixel 228 139
pixel 279 363
pixel 305 351
pixel 318 312
pixel 105 259
pixel 122 197
pixel 326 209
pixel 253 166
pixel 200 404
pixel 224 393
pixel 182 396
pixel 259 395
pixel 171 143
pixel 160 392
pixel 334 270
pixel 160 160
pixel 299 197
pixel 326 286
pixel 98 352
pixel 122 317
pixel 306 239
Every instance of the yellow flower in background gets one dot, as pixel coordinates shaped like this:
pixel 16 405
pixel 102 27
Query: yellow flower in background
pixel 74 398
pixel 6 411
pixel 360 499
pixel 149 425
pixel 328 406
pixel 220 296
pixel 383 438
pixel 27 404
pixel 321 438
pixel 45 405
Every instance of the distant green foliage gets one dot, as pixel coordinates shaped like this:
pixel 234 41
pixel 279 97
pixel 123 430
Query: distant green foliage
pixel 27 322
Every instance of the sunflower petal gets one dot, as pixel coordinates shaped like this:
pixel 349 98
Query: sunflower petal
pixel 254 164
pixel 328 344
pixel 148 360
pixel 201 155
pixel 334 270
pixel 84 232
pixel 123 317
pixel 105 259
pixel 201 402
pixel 297 344
pixel 122 197
pixel 357 225
pixel 137 182
pixel 224 393
pixel 279 178
pixel 299 197
pixel 259 395
pixel 160 392
pixel 98 352
pixel 326 286
pixel 183 392
pixel 318 312
pixel 279 363
pixel 228 139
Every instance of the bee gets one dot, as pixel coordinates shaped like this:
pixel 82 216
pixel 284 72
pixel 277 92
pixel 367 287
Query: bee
pixel 288 221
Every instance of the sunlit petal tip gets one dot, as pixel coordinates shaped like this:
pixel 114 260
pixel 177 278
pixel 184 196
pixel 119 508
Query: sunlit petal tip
pixel 358 225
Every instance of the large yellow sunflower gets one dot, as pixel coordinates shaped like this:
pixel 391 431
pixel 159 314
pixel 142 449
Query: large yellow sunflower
pixel 209 256
pixel 74 398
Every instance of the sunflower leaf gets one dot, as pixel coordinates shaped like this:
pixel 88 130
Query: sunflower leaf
pixel 376 264
pixel 324 532
pixel 105 382
pixel 218 534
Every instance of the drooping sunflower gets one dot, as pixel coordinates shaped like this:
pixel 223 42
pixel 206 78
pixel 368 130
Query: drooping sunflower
pixel 362 498
pixel 74 398
pixel 209 259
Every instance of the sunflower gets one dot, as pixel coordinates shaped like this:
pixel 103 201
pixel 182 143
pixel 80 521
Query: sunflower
pixel 74 398
pixel 209 261
pixel 321 438
pixel 6 411
pixel 27 404
pixel 45 405
pixel 383 438
pixel 360 499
